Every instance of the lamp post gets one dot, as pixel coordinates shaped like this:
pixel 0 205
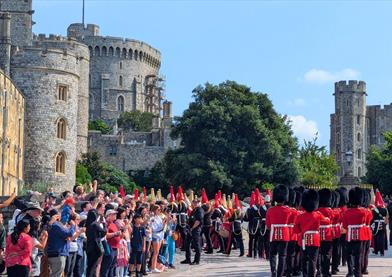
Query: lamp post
pixel 349 158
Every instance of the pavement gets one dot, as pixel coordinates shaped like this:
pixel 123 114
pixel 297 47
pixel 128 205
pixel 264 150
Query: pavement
pixel 233 266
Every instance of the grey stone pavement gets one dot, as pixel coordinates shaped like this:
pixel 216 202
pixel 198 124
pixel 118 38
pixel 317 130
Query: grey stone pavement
pixel 233 266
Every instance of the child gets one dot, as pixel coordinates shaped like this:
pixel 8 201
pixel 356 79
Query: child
pixel 122 258
pixel 138 245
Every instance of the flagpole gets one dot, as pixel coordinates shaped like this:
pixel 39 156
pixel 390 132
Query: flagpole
pixel 83 13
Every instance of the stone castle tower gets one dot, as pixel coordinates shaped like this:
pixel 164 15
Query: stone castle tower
pixel 349 128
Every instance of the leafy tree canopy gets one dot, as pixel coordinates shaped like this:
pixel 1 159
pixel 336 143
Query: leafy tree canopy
pixel 82 175
pixel 99 125
pixel 379 165
pixel 136 120
pixel 316 166
pixel 231 138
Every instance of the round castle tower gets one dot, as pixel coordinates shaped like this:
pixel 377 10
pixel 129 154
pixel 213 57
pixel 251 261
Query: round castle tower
pixel 123 74
pixel 350 127
pixel 53 75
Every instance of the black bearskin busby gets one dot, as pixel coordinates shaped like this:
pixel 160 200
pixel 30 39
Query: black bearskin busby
pixel 310 200
pixel 355 196
pixel 280 194
pixel 343 196
pixel 292 194
pixel 325 198
pixel 335 199
pixel 298 198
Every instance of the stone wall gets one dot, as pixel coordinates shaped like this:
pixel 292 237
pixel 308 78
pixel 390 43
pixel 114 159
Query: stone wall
pixel 380 120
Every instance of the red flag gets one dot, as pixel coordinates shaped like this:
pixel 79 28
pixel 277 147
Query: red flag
pixel 136 194
pixel 122 191
pixel 144 194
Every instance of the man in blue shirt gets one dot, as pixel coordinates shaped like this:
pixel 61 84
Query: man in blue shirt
pixel 58 245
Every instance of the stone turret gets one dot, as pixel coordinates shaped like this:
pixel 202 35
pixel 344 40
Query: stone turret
pixel 5 42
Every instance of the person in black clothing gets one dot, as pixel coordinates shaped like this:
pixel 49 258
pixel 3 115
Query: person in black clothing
pixel 138 245
pixel 217 219
pixel 379 229
pixel 193 233
pixel 207 223
pixel 94 249
pixel 236 235
pixel 253 217
pixel 389 209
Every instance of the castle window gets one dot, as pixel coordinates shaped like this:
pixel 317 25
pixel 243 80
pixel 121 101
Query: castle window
pixel 120 65
pixel 90 50
pixel 120 103
pixel 120 81
pixel 124 53
pixel 141 56
pixel 111 51
pixel 118 52
pixel 97 51
pixel 359 172
pixel 62 93
pixel 347 103
pixel 130 52
pixel 136 55
pixel 359 153
pixel 359 137
pixel 358 119
pixel 104 51
pixel 60 163
pixel 113 150
pixel 61 128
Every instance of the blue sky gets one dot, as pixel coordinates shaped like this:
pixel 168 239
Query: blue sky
pixel 292 50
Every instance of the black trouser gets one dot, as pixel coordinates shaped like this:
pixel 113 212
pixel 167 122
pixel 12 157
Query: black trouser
pixel 79 266
pixel 109 263
pixel 354 258
pixel 309 261
pixel 336 254
pixel 193 239
pixel 70 264
pixel 236 238
pixel 325 257
pixel 379 242
pixel 18 271
pixel 343 247
pixel 146 255
pixel 390 231
pixel 297 260
pixel 290 260
pixel 207 235
pixel 278 248
pixel 365 255
pixel 182 231
pixel 264 244
pixel 92 263
pixel 255 245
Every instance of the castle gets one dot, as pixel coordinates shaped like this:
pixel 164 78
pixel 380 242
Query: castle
pixel 355 127
pixel 68 80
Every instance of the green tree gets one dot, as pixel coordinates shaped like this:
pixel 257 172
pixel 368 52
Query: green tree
pixel 82 175
pixel 316 166
pixel 231 138
pixel 379 165
pixel 136 120
pixel 99 125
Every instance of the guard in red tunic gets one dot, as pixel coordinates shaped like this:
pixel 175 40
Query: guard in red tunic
pixel 343 202
pixel 354 222
pixel 290 260
pixel 277 221
pixel 368 231
pixel 326 231
pixel 307 226
pixel 298 254
pixel 336 225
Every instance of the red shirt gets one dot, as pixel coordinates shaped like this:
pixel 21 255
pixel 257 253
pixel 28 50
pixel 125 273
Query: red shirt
pixel 326 231
pixel 19 253
pixel 307 227
pixel 293 218
pixel 114 242
pixel 368 230
pixel 278 219
pixel 354 221
pixel 336 223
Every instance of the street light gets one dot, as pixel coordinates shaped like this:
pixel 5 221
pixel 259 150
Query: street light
pixel 349 158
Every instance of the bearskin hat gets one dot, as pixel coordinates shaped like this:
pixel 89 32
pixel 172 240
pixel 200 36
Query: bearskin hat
pixel 310 200
pixel 355 196
pixel 298 198
pixel 291 201
pixel 343 196
pixel 325 197
pixel 280 194
pixel 367 198
pixel 335 199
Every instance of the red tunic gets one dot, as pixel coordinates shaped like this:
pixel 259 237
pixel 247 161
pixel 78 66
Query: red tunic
pixel 326 231
pixel 337 223
pixel 368 230
pixel 354 221
pixel 293 218
pixel 278 219
pixel 307 227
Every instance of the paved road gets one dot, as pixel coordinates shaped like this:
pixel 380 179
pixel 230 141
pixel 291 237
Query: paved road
pixel 233 266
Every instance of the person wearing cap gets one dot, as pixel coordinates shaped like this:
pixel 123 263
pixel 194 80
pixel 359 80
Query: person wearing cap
pixel 193 236
pixel 113 237
pixel 66 211
pixel 58 246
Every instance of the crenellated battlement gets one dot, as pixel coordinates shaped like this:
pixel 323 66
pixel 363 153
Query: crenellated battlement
pixel 350 86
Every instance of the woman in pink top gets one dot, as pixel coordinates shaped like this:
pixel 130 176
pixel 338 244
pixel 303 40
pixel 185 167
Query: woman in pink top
pixel 18 251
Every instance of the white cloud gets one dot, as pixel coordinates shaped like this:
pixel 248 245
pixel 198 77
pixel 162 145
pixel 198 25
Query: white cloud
pixel 298 102
pixel 303 128
pixel 322 76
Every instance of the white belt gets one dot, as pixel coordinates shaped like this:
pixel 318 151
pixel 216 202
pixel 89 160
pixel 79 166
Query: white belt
pixel 238 221
pixel 350 227
pixel 303 237
pixel 325 226
pixel 379 220
pixel 273 227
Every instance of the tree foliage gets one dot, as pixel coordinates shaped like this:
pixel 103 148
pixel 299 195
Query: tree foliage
pixel 316 166
pixel 231 138
pixel 99 125
pixel 379 165
pixel 136 120
pixel 109 178
pixel 82 175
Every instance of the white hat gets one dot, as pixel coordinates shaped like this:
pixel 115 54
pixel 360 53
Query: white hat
pixel 109 212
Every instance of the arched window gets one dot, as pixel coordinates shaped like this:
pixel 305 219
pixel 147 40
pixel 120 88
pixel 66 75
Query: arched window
pixel 124 53
pixel 120 81
pixel 104 51
pixel 130 52
pixel 141 56
pixel 359 153
pixel 111 51
pixel 120 65
pixel 118 52
pixel 91 102
pixel 62 93
pixel 359 137
pixel 97 51
pixel 60 163
pixel 90 48
pixel 136 55
pixel 61 128
pixel 359 172
pixel 358 119
pixel 120 103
